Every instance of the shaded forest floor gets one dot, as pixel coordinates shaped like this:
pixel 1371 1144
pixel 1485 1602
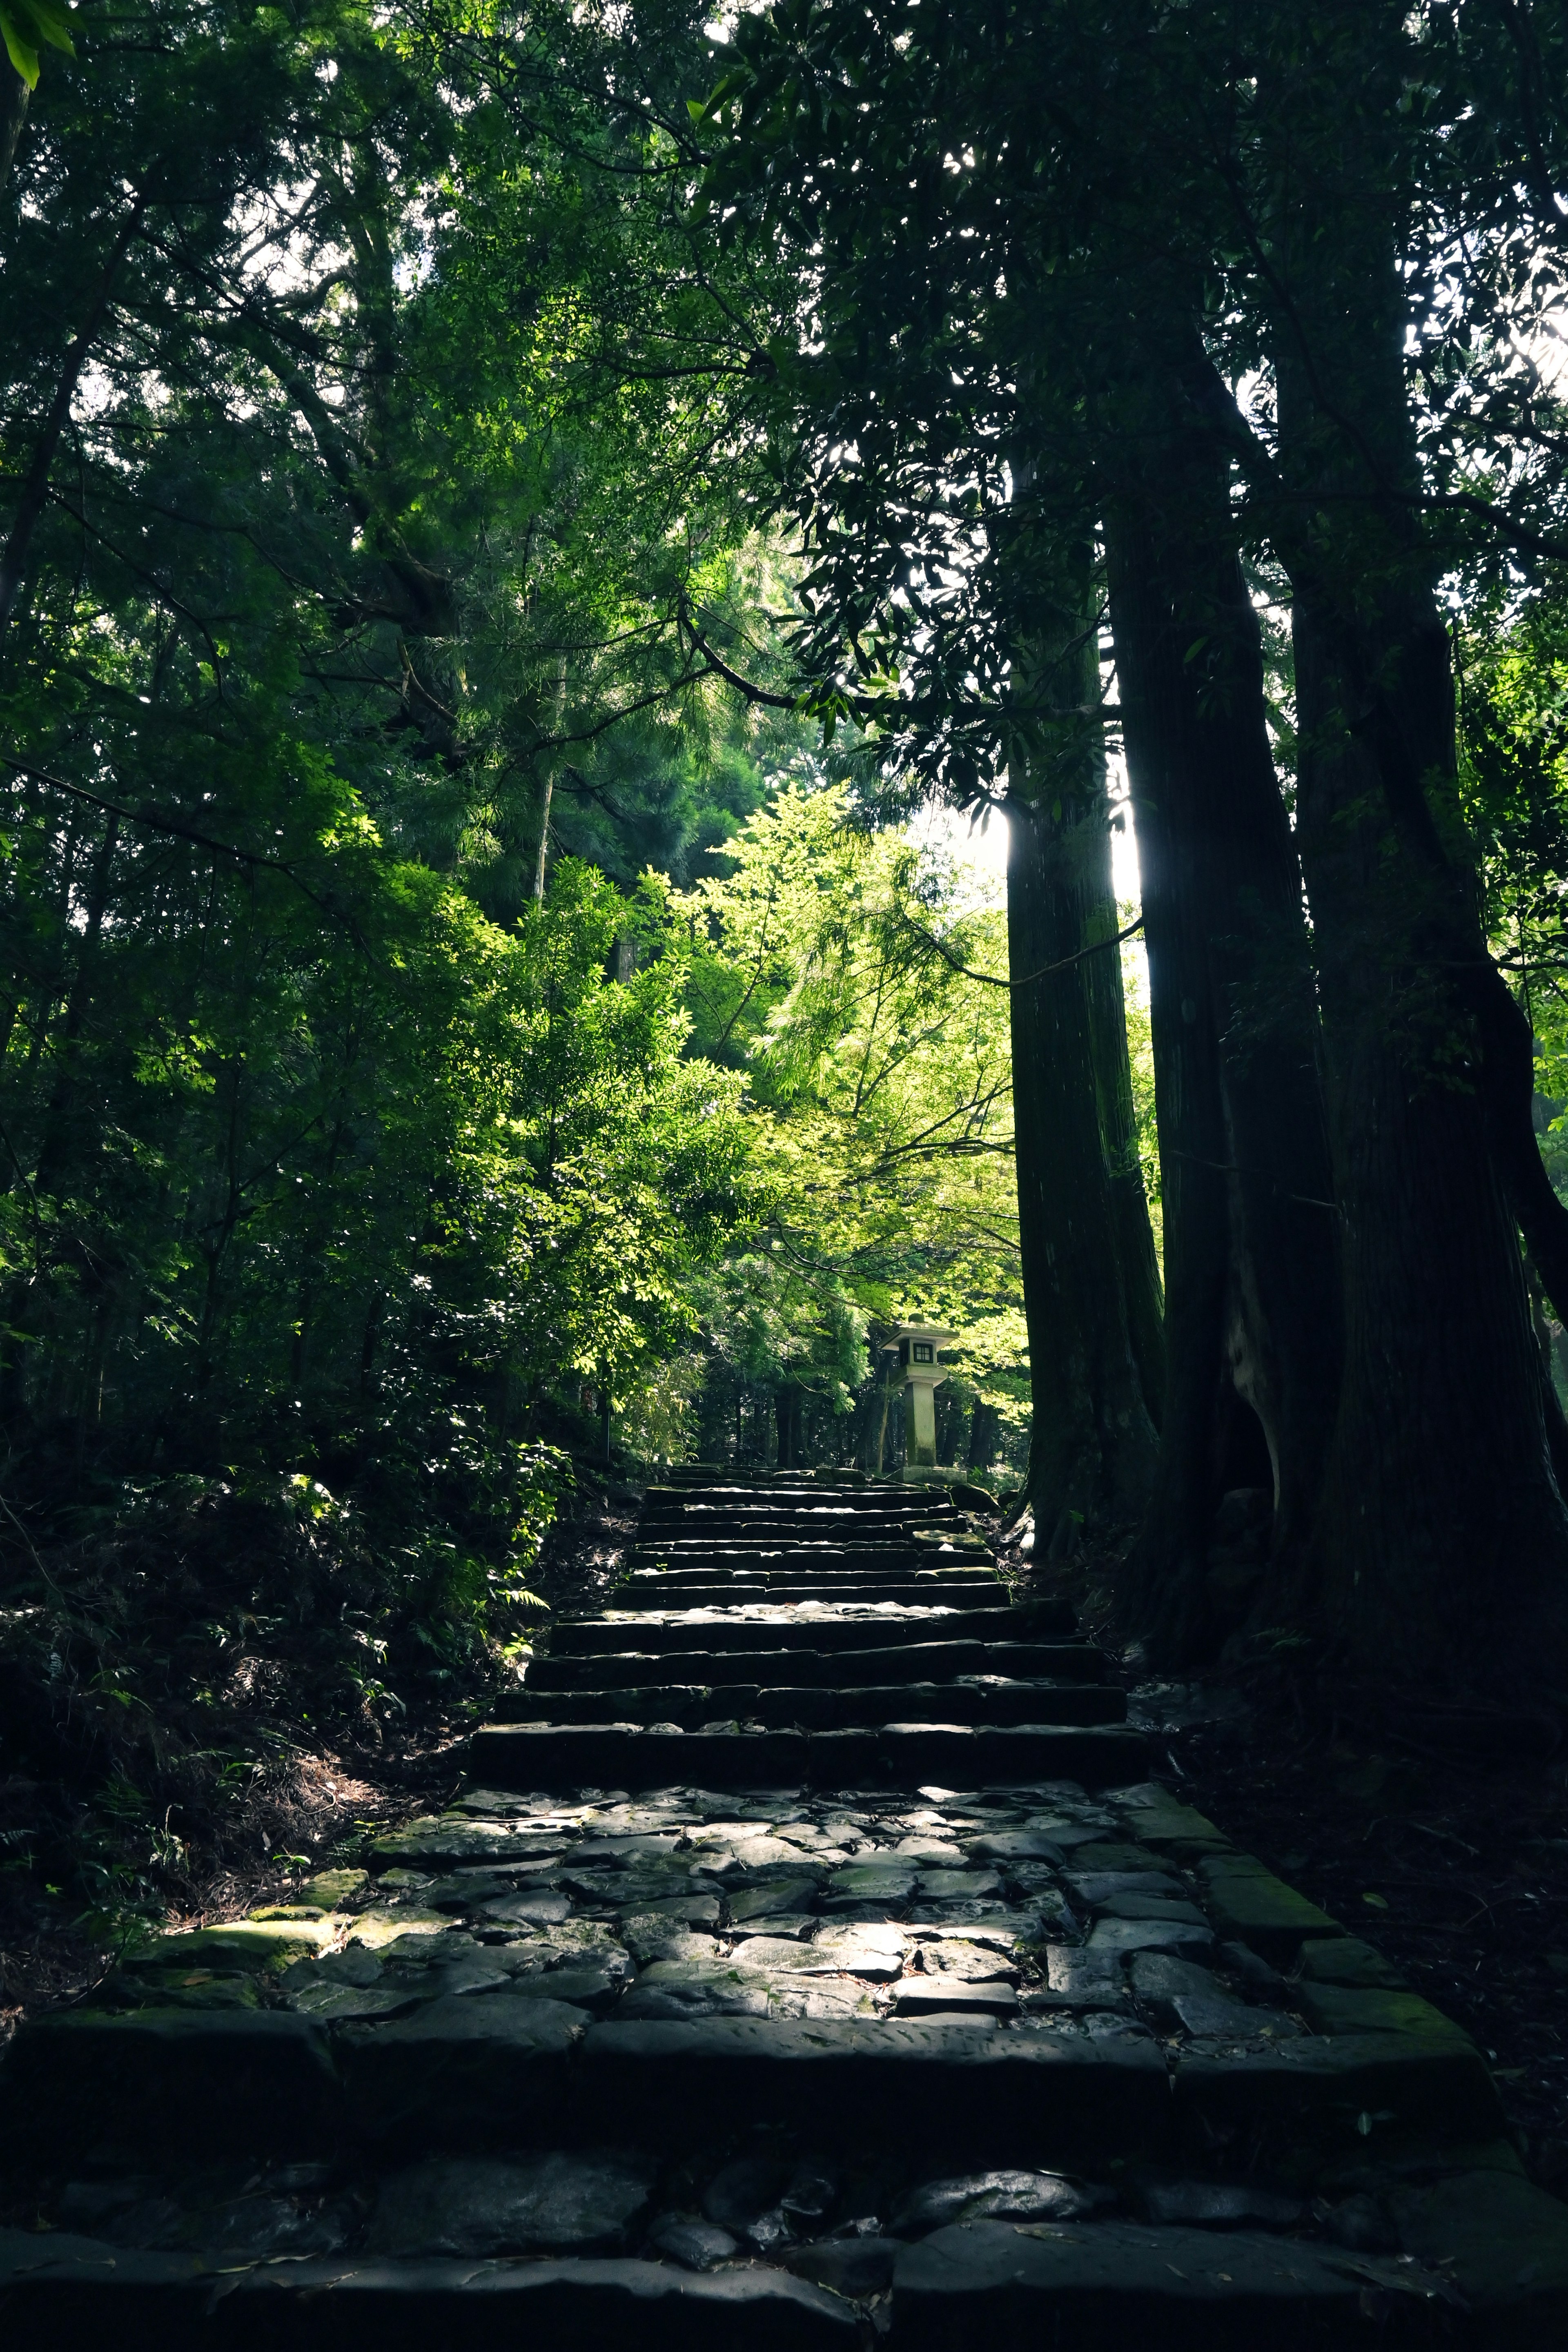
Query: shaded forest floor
pixel 1456 1872
pixel 211 1783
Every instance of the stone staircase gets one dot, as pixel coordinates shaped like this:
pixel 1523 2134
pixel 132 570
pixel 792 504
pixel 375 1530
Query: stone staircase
pixel 812 1962
pixel 785 1630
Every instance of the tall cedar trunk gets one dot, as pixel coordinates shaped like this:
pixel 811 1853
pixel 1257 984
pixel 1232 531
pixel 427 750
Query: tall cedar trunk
pixel 1119 1127
pixel 1445 1536
pixel 61 1125
pixel 790 1427
pixel 1093 1446
pixel 1251 1242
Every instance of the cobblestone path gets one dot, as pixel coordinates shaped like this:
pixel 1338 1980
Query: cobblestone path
pixel 813 1962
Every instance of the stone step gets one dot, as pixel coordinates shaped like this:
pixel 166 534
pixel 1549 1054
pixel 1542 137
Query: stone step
pixel 485 2072
pixel 904 1504
pixel 1102 2286
pixel 784 1545
pixel 807 1528
pixel 649 1590
pixel 622 1754
pixel 906 1501
pixel 822 1506
pixel 71 2292
pixel 829 1542
pixel 920 1662
pixel 1118 2287
pixel 474 2073
pixel 678 1476
pixel 994 1699
pixel 1029 1621
pixel 752 1571
pixel 851 1484
pixel 806 1536
pixel 497 2125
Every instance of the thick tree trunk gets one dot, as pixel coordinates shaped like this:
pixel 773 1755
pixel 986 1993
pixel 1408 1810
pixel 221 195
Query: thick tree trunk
pixel 1093 1446
pixel 1444 1539
pixel 1251 1257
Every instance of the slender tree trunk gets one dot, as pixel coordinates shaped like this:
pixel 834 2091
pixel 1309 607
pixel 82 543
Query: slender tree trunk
pixel 1119 1129
pixel 985 1423
pixel 1093 1446
pixel 547 790
pixel 12 114
pixel 876 1425
pixel 54 1151
pixel 35 483
pixel 1251 1242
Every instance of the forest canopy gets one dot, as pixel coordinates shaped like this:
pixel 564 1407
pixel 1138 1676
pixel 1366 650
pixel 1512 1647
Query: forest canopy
pixel 516 521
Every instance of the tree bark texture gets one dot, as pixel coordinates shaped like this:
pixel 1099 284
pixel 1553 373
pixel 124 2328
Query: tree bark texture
pixel 1445 1539
pixel 12 114
pixel 1251 1239
pixel 1093 1446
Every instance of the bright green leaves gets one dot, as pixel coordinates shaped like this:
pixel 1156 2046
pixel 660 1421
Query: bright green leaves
pixel 882 1082
pixel 27 24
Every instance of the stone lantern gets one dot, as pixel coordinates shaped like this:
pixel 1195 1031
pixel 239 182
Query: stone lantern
pixel 918 1345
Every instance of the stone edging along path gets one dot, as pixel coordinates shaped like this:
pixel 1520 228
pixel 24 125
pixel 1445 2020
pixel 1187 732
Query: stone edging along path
pixel 812 1962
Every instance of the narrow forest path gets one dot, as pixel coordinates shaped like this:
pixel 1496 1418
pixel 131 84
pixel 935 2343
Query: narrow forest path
pixel 809 1961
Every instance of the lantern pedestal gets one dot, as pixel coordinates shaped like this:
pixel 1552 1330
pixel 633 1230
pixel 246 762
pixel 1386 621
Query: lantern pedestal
pixel 918 1345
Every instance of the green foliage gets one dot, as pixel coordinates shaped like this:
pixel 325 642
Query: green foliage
pixel 345 602
pixel 835 966
pixel 1514 774
pixel 26 24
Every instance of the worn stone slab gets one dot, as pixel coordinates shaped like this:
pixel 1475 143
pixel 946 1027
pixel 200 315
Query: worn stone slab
pixel 72 2292
pixel 1076 1979
pixel 973 2094
pixel 445 1840
pixel 1091 2287
pixel 813 1707
pixel 243 2081
pixel 867 1948
pixel 773 1898
pixel 467 2205
pixel 855 2267
pixel 1505 2246
pixel 1016 1845
pixel 1245 1900
pixel 63 2290
pixel 1347 2009
pixel 762 1667
pixel 536 1755
pixel 678 1990
pixel 932 1995
pixel 242 1947
pixel 1129 1936
pixel 996 2196
pixel 1155 1818
pixel 459 2072
pixel 1307 2102
pixel 893 1627
pixel 1097 1889
pixel 1345 1961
